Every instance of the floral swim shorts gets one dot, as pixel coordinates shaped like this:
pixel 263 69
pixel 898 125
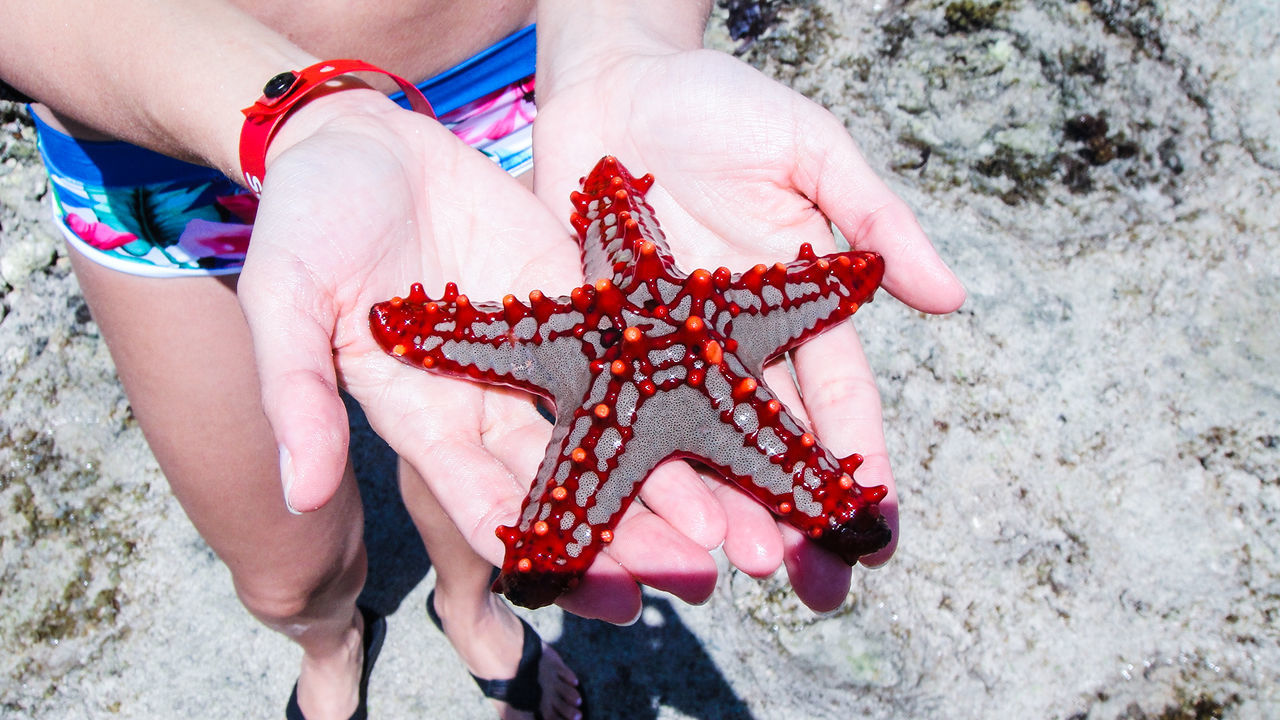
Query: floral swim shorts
pixel 143 213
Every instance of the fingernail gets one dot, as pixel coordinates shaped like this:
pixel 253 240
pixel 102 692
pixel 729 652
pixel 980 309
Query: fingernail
pixel 286 476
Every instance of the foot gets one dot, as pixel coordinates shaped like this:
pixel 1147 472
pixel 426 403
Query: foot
pixel 489 638
pixel 329 686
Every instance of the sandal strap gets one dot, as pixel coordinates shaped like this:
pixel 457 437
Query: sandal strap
pixel 522 692
pixel 375 633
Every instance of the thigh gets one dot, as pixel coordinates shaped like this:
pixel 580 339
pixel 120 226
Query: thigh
pixel 183 352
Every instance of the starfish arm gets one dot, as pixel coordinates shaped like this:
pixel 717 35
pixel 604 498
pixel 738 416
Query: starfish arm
pixel 753 440
pixel 507 344
pixel 589 476
pixel 784 305
pixel 612 218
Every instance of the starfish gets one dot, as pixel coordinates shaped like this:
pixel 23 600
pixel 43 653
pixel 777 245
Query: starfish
pixel 643 365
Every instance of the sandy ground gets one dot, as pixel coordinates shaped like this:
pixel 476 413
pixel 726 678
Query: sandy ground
pixel 1089 451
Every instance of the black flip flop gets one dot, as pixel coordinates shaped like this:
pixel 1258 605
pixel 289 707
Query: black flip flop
pixel 375 631
pixel 522 692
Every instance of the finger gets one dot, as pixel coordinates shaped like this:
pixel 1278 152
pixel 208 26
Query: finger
pixel 477 492
pixel 291 330
pixel 435 423
pixel 752 543
pixel 843 405
pixel 819 578
pixel 662 558
pixel 675 492
pixel 832 172
pixel 607 592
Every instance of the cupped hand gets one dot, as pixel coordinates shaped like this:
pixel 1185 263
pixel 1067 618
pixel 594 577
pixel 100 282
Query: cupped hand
pixel 364 200
pixel 746 171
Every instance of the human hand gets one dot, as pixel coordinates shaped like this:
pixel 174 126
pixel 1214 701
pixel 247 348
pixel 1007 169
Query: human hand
pixel 747 170
pixel 363 199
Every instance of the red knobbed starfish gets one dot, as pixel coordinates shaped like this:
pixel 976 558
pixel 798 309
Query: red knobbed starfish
pixel 643 365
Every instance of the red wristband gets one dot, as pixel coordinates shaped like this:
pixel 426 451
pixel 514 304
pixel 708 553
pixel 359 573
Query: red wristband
pixel 280 96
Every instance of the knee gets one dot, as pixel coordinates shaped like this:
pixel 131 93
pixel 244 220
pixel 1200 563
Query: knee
pixel 297 597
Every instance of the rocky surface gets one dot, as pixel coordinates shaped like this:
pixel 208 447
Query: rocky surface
pixel 1088 452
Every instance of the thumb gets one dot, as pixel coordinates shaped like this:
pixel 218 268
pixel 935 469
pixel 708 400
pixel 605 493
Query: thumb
pixel 833 173
pixel 291 341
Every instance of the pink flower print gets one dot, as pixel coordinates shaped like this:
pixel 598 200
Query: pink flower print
pixel 243 206
pixel 492 118
pixel 202 238
pixel 96 234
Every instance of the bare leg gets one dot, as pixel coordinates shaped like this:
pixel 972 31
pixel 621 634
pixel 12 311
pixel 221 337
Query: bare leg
pixel 183 353
pixel 479 624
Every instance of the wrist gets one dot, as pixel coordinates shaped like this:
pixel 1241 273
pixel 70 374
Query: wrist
pixel 576 38
pixel 348 98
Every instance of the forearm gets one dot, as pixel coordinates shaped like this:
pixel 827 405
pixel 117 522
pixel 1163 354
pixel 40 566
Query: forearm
pixel 572 33
pixel 171 76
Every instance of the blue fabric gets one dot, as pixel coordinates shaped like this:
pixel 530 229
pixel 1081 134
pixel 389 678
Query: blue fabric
pixel 511 59
pixel 111 163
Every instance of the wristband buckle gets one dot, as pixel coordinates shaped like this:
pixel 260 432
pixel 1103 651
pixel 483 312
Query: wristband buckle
pixel 281 95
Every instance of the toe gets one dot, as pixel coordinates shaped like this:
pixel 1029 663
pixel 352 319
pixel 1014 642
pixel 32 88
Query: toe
pixel 560 695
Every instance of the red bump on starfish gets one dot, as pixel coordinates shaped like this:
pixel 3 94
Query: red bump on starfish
pixel 851 463
pixel 746 386
pixel 644 364
pixel 875 493
pixel 699 283
pixel 713 352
